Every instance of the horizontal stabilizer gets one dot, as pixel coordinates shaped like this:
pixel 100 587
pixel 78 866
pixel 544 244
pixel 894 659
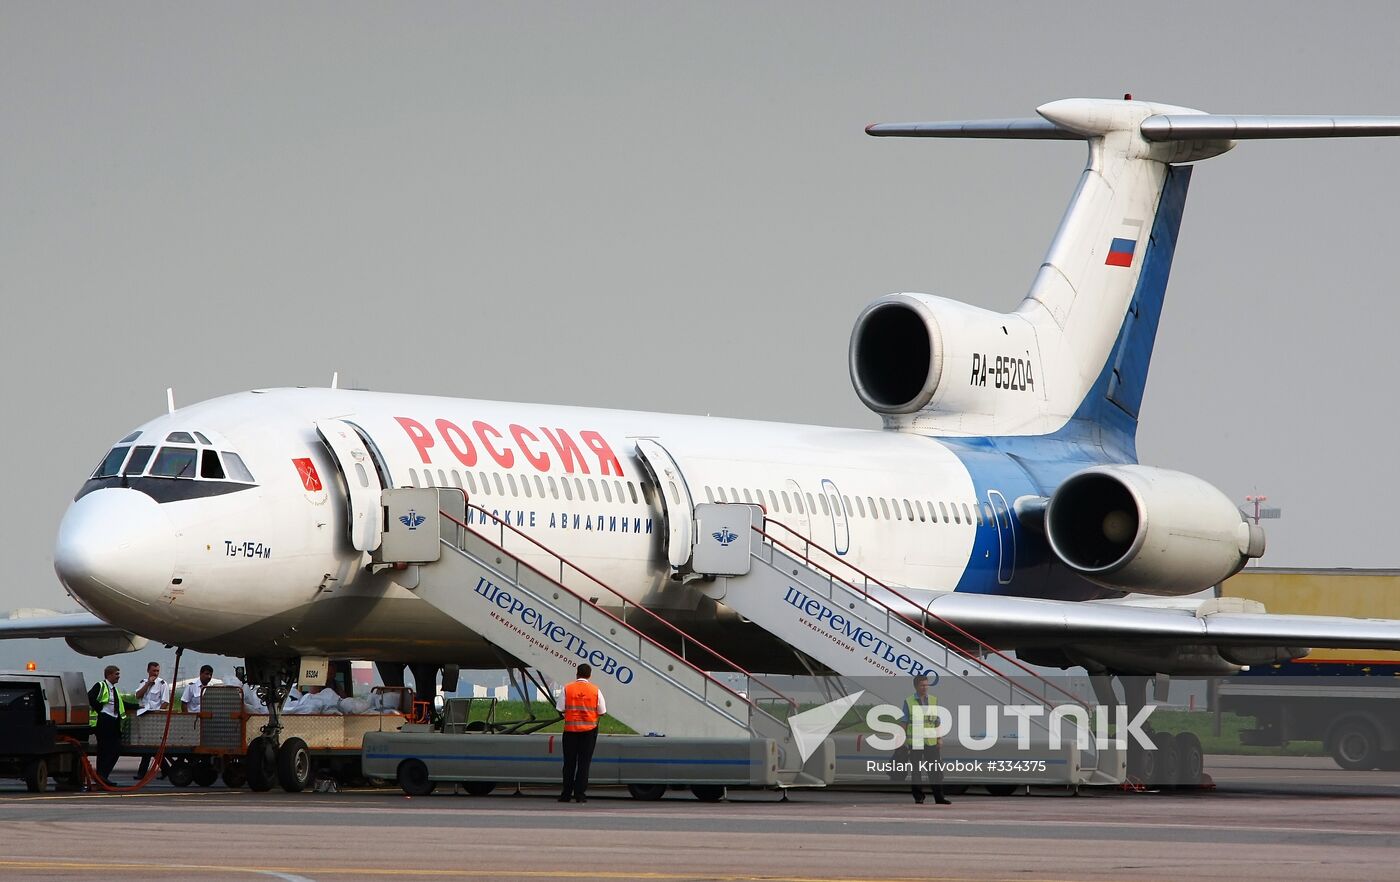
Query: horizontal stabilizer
pixel 1028 129
pixel 1220 127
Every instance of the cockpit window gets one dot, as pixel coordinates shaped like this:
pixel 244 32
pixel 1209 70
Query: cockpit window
pixel 139 457
pixel 209 465
pixel 175 462
pixel 202 439
pixel 180 437
pixel 112 464
pixel 132 437
pixel 237 471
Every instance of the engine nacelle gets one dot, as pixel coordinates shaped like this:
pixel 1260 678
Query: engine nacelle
pixel 101 646
pixel 913 352
pixel 1148 530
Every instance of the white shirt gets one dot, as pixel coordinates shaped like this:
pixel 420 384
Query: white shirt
pixel 602 705
pixel 190 697
pixel 158 694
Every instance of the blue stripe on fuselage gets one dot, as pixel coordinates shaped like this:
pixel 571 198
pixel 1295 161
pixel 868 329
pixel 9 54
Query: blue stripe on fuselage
pixel 1103 429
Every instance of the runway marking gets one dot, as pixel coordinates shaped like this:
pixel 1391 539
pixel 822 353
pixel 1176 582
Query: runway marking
pixel 289 873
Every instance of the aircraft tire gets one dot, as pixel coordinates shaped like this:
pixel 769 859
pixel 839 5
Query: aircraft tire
pixel 260 764
pixel 294 765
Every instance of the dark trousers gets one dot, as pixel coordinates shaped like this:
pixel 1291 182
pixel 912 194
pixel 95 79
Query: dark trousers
pixel 929 757
pixel 109 745
pixel 578 755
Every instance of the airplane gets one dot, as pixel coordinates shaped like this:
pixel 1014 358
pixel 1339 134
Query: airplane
pixel 1003 489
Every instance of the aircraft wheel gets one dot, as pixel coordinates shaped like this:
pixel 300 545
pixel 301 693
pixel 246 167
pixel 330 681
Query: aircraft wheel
pixel 1167 766
pixel 260 764
pixel 413 778
pixel 1190 760
pixel 1002 789
pixel 293 765
pixel 180 773
pixel 708 792
pixel 36 775
pixel 235 773
pixel 478 788
pixel 647 792
pixel 204 772
pixel 1355 744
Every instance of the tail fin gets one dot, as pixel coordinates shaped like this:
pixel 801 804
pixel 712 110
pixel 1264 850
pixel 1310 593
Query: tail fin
pixel 1097 297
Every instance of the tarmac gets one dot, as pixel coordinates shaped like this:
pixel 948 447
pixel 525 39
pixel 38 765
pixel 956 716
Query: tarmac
pixel 1268 818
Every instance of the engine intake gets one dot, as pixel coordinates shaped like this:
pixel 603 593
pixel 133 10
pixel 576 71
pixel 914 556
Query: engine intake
pixel 895 355
pixel 1148 530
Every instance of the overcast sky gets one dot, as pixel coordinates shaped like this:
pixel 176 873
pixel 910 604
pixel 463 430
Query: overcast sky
pixel 668 207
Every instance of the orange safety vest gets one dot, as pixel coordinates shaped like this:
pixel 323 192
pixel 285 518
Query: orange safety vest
pixel 580 706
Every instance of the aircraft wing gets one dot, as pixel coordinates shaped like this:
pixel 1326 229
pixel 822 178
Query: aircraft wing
pixel 80 624
pixel 1017 620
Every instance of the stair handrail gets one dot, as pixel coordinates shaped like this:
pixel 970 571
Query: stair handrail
pixel 805 557
pixel 626 602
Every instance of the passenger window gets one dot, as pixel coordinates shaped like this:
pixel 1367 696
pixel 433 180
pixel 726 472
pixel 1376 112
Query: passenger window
pixel 957 519
pixel 621 497
pixel 908 510
pixel 987 512
pixel 457 479
pixel 709 494
pixel 943 508
pixel 202 439
pixel 111 464
pixel 139 457
pixel 568 491
pixel 919 506
pixel 514 491
pixel 898 515
pixel 539 487
pixel 471 483
pixel 748 497
pixel 885 507
pixel 675 494
pixel 500 488
pixel 442 479
pixel 860 506
pixel 607 491
pixel 797 500
pixel 632 491
pixel 180 438
pixel 811 504
pixel 848 509
pixel 553 488
pixel 967 515
pixel 773 498
pixel 485 484
pixel 646 493
pixel 578 485
pixel 209 465
pixel 826 509
pixel 174 462
pixel 360 473
pixel 233 464
pixel 722 497
pixel 592 490
pixel 525 485
pixel 413 477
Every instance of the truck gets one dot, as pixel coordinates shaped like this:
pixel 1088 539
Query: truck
pixel 1349 699
pixel 39 713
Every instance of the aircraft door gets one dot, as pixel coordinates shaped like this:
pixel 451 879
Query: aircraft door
pixel 364 510
pixel 801 519
pixel 840 526
pixel 676 503
pixel 1006 536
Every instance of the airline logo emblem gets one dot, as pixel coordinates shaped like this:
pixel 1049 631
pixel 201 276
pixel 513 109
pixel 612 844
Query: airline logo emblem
pixel 309 478
pixel 725 536
pixel 413 520
pixel 1120 252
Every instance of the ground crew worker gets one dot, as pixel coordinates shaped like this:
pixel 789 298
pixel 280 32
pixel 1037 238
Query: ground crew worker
pixel 152 694
pixel 929 758
pixel 582 704
pixel 194 690
pixel 106 712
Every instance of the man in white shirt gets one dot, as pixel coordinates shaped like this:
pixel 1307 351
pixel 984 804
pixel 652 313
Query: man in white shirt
pixel 152 694
pixel 189 699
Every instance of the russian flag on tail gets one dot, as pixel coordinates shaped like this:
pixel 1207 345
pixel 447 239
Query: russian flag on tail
pixel 1120 252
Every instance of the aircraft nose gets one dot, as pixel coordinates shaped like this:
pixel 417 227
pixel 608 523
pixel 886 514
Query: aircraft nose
pixel 115 550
